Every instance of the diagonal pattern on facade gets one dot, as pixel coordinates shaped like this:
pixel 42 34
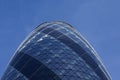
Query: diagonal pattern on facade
pixel 55 51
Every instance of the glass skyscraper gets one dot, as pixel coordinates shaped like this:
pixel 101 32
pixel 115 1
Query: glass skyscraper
pixel 55 51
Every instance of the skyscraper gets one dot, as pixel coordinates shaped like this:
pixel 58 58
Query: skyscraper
pixel 55 51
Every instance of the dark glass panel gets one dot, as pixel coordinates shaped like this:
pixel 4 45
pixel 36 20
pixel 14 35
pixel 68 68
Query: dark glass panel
pixel 33 69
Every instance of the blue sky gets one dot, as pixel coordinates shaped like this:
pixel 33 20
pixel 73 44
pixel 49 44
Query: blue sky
pixel 96 20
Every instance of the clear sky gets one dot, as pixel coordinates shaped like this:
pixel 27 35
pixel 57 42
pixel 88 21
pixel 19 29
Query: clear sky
pixel 97 20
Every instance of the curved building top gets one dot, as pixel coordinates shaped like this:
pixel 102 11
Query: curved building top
pixel 72 38
pixel 55 51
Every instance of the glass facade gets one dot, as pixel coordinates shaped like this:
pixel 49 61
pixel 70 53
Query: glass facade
pixel 55 51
